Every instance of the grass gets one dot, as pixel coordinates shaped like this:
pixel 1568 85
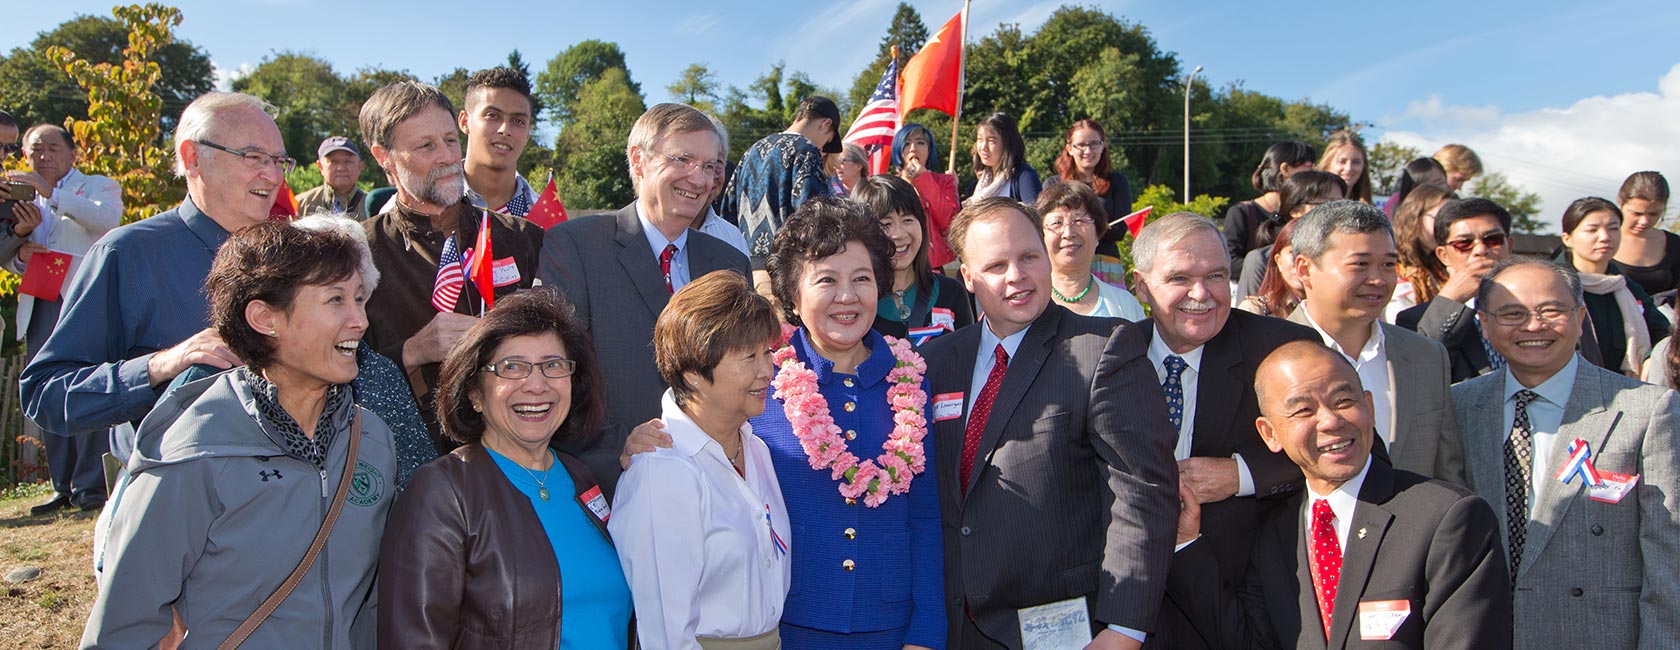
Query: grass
pixel 46 612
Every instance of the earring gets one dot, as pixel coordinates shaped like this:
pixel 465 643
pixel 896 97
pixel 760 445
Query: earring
pixel 475 408
pixel 273 332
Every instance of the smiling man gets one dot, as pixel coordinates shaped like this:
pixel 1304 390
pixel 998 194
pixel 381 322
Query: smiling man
pixel 410 128
pixel 1474 236
pixel 135 314
pixel 497 119
pixel 619 270
pixel 1345 257
pixel 1593 564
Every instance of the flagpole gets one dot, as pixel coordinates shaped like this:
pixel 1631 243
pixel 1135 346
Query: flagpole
pixel 962 80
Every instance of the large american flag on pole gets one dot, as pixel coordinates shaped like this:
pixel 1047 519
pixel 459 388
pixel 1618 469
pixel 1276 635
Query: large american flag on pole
pixel 878 122
pixel 447 289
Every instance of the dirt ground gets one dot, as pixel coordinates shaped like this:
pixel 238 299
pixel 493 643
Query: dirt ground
pixel 46 612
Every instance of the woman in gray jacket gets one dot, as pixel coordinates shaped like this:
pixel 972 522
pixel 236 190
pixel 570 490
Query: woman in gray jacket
pixel 233 475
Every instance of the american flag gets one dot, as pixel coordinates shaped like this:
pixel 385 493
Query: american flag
pixel 447 289
pixel 874 127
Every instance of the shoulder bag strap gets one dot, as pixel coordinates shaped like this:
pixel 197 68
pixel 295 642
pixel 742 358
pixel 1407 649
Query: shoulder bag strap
pixel 273 601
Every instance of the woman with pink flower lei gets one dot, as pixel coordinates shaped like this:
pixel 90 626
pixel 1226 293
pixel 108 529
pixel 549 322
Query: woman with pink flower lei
pixel 847 430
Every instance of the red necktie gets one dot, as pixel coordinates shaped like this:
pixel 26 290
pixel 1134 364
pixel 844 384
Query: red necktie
pixel 665 264
pixel 1326 560
pixel 982 409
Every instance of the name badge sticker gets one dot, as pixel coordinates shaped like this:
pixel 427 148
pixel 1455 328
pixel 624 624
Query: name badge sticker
pixel 596 503
pixel 942 317
pixel 1380 619
pixel 504 272
pixel 1613 487
pixel 1055 626
pixel 947 406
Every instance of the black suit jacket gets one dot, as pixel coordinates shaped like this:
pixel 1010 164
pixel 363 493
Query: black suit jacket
pixel 1432 544
pixel 604 265
pixel 1226 408
pixel 1073 490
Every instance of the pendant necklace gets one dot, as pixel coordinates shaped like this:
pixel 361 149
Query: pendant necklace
pixel 542 483
pixel 898 301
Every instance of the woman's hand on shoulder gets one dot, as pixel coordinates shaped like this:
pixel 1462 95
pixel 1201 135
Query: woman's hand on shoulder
pixel 647 436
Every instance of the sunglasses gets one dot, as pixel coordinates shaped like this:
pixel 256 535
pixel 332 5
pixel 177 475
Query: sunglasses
pixel 1490 240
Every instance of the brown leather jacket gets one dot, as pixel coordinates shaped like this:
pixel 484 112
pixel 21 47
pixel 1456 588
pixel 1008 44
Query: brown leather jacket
pixel 465 563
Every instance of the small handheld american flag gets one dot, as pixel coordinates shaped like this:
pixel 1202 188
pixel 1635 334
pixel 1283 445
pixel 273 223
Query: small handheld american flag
pixel 447 289
pixel 875 126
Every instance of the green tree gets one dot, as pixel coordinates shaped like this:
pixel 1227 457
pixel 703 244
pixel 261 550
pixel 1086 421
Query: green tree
pixel 1387 162
pixel 591 171
pixel 696 86
pixel 309 98
pixel 560 83
pixel 909 33
pixel 454 86
pixel 36 90
pixel 517 62
pixel 1524 206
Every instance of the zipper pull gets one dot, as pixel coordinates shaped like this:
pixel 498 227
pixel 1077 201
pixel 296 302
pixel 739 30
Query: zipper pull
pixel 324 493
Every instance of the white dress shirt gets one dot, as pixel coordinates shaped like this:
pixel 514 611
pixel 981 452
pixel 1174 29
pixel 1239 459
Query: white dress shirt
pixel 1372 365
pixel 987 358
pixel 82 209
pixel 1545 416
pixel 1191 380
pixel 656 240
pixel 696 540
pixel 1342 500
pixel 714 225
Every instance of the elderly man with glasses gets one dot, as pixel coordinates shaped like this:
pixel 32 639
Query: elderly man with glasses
pixel 134 314
pixel 620 270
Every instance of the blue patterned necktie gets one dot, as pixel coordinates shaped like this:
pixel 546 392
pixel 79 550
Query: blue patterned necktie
pixel 1174 388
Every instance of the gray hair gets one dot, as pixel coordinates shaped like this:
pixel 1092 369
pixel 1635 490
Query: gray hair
pixel 198 121
pixel 1345 217
pixel 1168 231
pixel 722 131
pixel 855 154
pixel 393 105
pixel 323 221
pixel 665 120
pixel 1571 278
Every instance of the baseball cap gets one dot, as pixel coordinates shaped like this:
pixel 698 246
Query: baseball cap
pixel 337 143
pixel 824 107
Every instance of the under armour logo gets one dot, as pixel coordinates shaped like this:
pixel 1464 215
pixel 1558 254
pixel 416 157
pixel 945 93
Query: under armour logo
pixel 270 473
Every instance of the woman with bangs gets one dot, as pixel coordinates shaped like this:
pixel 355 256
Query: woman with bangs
pixel 920 304
pixel 1000 162
pixel 916 156
pixel 1085 159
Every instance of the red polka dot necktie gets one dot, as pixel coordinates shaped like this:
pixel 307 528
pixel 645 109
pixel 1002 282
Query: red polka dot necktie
pixel 1326 560
pixel 982 409
pixel 665 257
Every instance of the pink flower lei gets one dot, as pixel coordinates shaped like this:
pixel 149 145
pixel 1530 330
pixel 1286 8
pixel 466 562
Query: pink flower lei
pixel 901 455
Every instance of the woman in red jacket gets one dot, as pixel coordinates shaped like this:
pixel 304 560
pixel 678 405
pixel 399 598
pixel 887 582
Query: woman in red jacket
pixel 915 156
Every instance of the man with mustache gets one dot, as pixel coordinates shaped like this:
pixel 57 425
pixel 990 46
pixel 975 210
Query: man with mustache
pixel 1345 256
pixel 1205 356
pixel 410 129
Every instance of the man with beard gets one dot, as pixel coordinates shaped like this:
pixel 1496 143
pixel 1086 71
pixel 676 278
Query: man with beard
pixel 410 129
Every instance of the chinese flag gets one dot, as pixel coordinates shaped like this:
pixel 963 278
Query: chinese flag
pixel 285 204
pixel 933 78
pixel 549 210
pixel 1134 221
pixel 482 269
pixel 44 278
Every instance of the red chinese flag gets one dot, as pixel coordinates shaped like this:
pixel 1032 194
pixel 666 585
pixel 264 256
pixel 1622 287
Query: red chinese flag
pixel 1134 221
pixel 44 278
pixel 549 210
pixel 933 78
pixel 482 267
pixel 285 204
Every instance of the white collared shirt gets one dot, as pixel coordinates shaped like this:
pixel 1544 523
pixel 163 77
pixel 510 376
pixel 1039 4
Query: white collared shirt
pixel 1191 379
pixel 656 241
pixel 714 225
pixel 698 543
pixel 1342 500
pixel 987 358
pixel 1545 416
pixel 1372 365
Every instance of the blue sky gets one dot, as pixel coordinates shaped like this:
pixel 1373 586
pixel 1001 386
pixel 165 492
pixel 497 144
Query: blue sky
pixel 1565 97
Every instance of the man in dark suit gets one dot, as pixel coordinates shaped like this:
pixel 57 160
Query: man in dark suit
pixel 1056 481
pixel 1473 236
pixel 620 269
pixel 1205 354
pixel 1367 556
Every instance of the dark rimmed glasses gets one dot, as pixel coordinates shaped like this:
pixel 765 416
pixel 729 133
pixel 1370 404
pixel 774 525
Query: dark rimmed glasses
pixel 556 368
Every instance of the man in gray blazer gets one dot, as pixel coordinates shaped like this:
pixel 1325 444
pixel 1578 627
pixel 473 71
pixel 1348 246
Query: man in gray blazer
pixel 620 269
pixel 1345 256
pixel 1056 477
pixel 1594 565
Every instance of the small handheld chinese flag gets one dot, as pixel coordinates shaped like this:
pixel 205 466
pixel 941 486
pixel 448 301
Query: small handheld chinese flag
pixel 481 270
pixel 44 278
pixel 285 204
pixel 1134 221
pixel 549 210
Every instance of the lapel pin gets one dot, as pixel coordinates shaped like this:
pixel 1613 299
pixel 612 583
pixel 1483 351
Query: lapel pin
pixel 1362 533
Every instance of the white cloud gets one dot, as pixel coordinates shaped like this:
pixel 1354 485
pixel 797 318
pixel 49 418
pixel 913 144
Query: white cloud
pixel 1562 154
pixel 225 76
pixel 697 25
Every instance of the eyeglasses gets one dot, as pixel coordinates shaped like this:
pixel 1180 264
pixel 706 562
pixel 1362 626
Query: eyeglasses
pixel 256 158
pixel 1076 222
pixel 686 164
pixel 556 368
pixel 1517 316
pixel 1490 240
pixel 1087 146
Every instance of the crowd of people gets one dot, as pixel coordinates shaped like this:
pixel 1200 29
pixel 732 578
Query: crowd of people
pixel 783 405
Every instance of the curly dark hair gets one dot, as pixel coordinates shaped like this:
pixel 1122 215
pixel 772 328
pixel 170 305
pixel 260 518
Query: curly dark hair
pixel 270 262
pixel 501 77
pixel 820 228
pixel 532 312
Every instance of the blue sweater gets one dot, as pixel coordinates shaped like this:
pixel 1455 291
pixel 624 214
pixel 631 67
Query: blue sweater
pixel 898 560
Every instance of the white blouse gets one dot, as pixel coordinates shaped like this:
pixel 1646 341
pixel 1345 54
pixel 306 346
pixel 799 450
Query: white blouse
pixel 704 550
